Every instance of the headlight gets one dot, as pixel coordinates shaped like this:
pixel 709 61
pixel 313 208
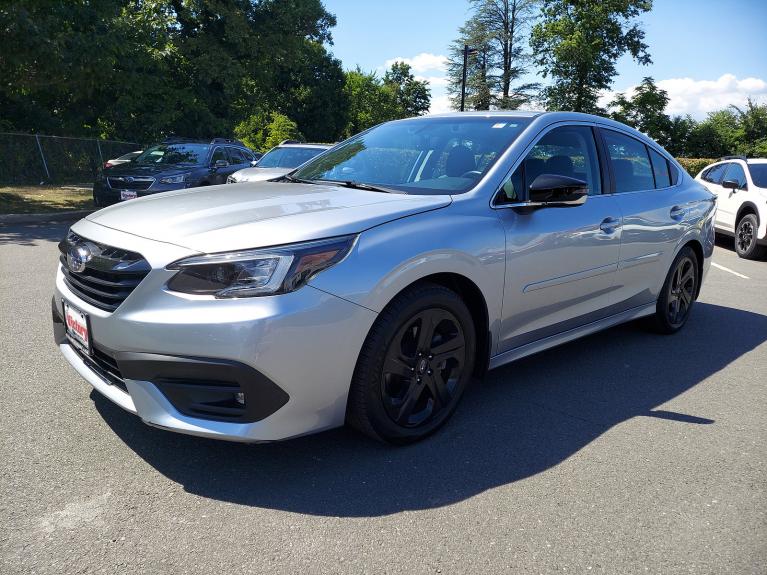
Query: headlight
pixel 257 272
pixel 180 179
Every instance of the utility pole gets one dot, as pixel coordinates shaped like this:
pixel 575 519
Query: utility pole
pixel 466 52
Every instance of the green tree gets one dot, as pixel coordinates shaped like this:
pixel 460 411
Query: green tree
pixel 753 123
pixel 262 131
pixel 679 130
pixel 645 110
pixel 412 96
pixel 497 32
pixel 139 70
pixel 478 89
pixel 578 43
pixel 370 102
pixel 718 135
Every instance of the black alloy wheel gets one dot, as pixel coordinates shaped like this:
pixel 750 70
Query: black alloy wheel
pixel 678 293
pixel 746 244
pixel 414 365
pixel 681 291
pixel 422 368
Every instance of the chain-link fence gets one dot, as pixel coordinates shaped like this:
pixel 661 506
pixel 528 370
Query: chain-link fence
pixel 35 159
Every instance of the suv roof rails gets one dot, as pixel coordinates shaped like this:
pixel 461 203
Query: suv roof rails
pixel 744 158
pixel 178 140
pixel 227 141
pixel 290 142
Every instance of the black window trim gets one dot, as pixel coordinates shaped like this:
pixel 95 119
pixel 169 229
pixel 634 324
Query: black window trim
pixel 716 165
pixel 674 176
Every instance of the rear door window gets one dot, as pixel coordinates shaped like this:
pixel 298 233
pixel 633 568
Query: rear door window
pixel 630 163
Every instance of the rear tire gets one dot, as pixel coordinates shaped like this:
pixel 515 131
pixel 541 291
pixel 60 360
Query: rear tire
pixel 745 239
pixel 414 366
pixel 678 293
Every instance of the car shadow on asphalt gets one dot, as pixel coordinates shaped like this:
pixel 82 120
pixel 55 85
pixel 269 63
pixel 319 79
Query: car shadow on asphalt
pixel 523 419
pixel 31 234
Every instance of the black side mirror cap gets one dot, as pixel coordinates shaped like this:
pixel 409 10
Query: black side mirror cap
pixel 730 184
pixel 556 190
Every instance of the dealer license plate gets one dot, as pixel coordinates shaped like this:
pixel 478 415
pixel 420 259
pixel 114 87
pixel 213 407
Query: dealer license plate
pixel 128 195
pixel 78 327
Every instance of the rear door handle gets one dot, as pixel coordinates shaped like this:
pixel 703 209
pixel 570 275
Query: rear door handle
pixel 610 225
pixel 677 213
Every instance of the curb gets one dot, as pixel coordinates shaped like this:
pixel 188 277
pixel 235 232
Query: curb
pixel 6 219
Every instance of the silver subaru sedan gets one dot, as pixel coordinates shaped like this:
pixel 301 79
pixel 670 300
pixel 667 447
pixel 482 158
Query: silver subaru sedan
pixel 373 283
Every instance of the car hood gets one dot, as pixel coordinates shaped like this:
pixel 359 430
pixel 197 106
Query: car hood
pixel 259 174
pixel 133 169
pixel 238 216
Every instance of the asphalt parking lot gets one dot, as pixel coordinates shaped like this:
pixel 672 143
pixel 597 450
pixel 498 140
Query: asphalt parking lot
pixel 625 452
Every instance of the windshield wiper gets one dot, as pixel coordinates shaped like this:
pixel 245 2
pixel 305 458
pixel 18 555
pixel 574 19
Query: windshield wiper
pixel 364 186
pixel 289 178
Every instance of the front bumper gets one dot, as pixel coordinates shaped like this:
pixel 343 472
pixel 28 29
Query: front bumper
pixel 168 358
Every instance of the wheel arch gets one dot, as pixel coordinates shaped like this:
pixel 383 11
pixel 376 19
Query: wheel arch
pixel 747 208
pixel 472 296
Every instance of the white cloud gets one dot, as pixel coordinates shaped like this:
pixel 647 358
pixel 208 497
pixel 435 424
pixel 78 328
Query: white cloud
pixel 434 81
pixel 440 104
pixel 423 62
pixel 699 97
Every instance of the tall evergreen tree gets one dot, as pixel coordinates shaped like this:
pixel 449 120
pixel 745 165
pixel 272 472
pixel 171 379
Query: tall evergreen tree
pixel 497 34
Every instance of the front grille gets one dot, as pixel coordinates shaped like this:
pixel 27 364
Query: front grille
pixel 104 365
pixel 109 276
pixel 130 182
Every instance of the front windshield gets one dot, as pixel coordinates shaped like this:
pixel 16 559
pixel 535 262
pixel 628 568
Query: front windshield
pixel 288 157
pixel 445 155
pixel 183 154
pixel 758 174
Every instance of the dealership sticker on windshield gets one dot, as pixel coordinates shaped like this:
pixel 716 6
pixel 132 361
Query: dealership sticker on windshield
pixel 128 195
pixel 77 327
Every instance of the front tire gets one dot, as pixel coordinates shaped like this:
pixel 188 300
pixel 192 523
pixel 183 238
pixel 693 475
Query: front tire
pixel 414 366
pixel 678 293
pixel 745 239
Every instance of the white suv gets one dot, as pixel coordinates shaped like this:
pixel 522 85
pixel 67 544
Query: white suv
pixel 741 189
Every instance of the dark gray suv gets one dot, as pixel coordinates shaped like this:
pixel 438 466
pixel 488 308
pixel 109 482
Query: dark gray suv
pixel 174 164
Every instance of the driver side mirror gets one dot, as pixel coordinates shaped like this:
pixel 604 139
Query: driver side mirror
pixel 730 185
pixel 254 163
pixel 551 190
pixel 221 164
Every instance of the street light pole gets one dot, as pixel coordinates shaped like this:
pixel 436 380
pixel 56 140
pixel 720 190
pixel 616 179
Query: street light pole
pixel 463 81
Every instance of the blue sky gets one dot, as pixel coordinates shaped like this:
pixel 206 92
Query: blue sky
pixel 707 54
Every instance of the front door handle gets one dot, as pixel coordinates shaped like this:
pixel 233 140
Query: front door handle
pixel 677 213
pixel 610 225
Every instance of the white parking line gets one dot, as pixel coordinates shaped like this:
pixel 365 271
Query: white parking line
pixel 733 272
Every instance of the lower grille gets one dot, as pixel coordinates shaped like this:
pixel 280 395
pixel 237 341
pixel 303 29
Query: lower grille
pixel 104 365
pixel 130 182
pixel 101 275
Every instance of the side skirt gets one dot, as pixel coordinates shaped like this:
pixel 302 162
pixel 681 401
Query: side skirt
pixel 575 333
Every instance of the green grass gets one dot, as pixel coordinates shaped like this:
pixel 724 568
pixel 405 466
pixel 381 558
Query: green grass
pixel 44 199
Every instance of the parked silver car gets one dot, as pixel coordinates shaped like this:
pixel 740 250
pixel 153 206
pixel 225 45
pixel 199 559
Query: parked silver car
pixel 278 161
pixel 372 284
